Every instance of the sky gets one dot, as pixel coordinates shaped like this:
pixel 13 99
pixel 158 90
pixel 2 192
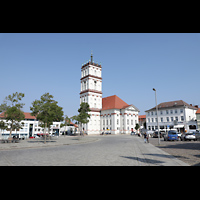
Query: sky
pixel 132 64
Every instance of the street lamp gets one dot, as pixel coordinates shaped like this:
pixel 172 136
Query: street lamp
pixel 157 116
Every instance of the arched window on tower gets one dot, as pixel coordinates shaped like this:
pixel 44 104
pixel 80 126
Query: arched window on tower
pixel 84 88
pixel 95 85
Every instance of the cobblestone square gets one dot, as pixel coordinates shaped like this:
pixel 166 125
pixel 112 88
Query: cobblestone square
pixel 110 150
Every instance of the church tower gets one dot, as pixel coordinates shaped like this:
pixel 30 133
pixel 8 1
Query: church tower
pixel 91 92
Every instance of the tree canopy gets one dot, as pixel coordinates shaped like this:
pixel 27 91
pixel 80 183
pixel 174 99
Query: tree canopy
pixel 46 110
pixel 83 116
pixel 12 110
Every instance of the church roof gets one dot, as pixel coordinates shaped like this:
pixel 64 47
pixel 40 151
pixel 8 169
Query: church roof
pixel 113 102
pixel 27 115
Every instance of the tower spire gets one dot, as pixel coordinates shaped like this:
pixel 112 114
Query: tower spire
pixel 91 57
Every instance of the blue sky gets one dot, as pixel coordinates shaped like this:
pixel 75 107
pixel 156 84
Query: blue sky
pixel 132 64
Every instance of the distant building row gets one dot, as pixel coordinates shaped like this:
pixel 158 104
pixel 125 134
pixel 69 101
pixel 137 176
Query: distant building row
pixel 174 114
pixel 30 127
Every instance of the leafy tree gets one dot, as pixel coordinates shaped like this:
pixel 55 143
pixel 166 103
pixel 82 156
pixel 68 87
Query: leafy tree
pixel 137 126
pixel 47 111
pixel 145 125
pixel 67 121
pixel 12 108
pixel 3 125
pixel 83 116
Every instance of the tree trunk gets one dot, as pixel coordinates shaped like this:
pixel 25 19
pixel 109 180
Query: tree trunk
pixel 45 133
pixel 10 136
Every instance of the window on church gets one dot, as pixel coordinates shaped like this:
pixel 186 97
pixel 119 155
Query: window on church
pixel 95 85
pixel 84 85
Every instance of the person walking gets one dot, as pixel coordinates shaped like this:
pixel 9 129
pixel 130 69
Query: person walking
pixel 148 136
pixel 145 137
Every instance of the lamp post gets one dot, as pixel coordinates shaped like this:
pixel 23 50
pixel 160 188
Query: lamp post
pixel 157 116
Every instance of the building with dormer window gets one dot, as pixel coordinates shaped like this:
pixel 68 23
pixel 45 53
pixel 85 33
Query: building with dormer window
pixel 174 114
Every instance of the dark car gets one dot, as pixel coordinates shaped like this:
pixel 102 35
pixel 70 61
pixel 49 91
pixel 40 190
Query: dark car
pixel 162 134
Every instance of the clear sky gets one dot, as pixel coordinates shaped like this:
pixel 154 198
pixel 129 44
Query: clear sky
pixel 132 64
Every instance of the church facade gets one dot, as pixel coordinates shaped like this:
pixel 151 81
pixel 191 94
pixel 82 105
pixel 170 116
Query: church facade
pixel 109 114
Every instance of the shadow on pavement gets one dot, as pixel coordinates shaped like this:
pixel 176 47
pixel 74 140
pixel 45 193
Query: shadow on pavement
pixel 167 156
pixel 192 146
pixel 145 160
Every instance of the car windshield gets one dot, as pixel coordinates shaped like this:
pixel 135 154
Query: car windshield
pixel 189 133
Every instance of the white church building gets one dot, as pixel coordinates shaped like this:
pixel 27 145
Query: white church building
pixel 111 113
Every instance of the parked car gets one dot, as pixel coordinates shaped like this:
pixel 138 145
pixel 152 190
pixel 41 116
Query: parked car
pixel 171 135
pixel 150 133
pixel 162 134
pixel 188 136
pixel 197 135
pixel 179 135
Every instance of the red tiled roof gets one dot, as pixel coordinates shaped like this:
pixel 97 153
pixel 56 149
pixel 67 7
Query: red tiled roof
pixel 27 115
pixel 74 124
pixel 113 102
pixel 2 115
pixel 142 116
pixel 198 111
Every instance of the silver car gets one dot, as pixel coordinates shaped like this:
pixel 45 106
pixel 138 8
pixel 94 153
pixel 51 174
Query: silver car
pixel 188 136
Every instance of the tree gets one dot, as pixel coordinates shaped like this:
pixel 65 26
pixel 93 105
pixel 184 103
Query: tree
pixel 12 110
pixel 137 126
pixel 83 116
pixel 145 125
pixel 3 125
pixel 47 111
pixel 67 121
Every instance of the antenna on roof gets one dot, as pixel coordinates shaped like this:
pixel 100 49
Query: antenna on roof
pixel 91 57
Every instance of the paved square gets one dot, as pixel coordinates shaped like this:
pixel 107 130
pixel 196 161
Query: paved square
pixel 109 150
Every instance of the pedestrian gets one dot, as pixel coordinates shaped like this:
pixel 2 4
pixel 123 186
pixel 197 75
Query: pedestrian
pixel 148 136
pixel 145 137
